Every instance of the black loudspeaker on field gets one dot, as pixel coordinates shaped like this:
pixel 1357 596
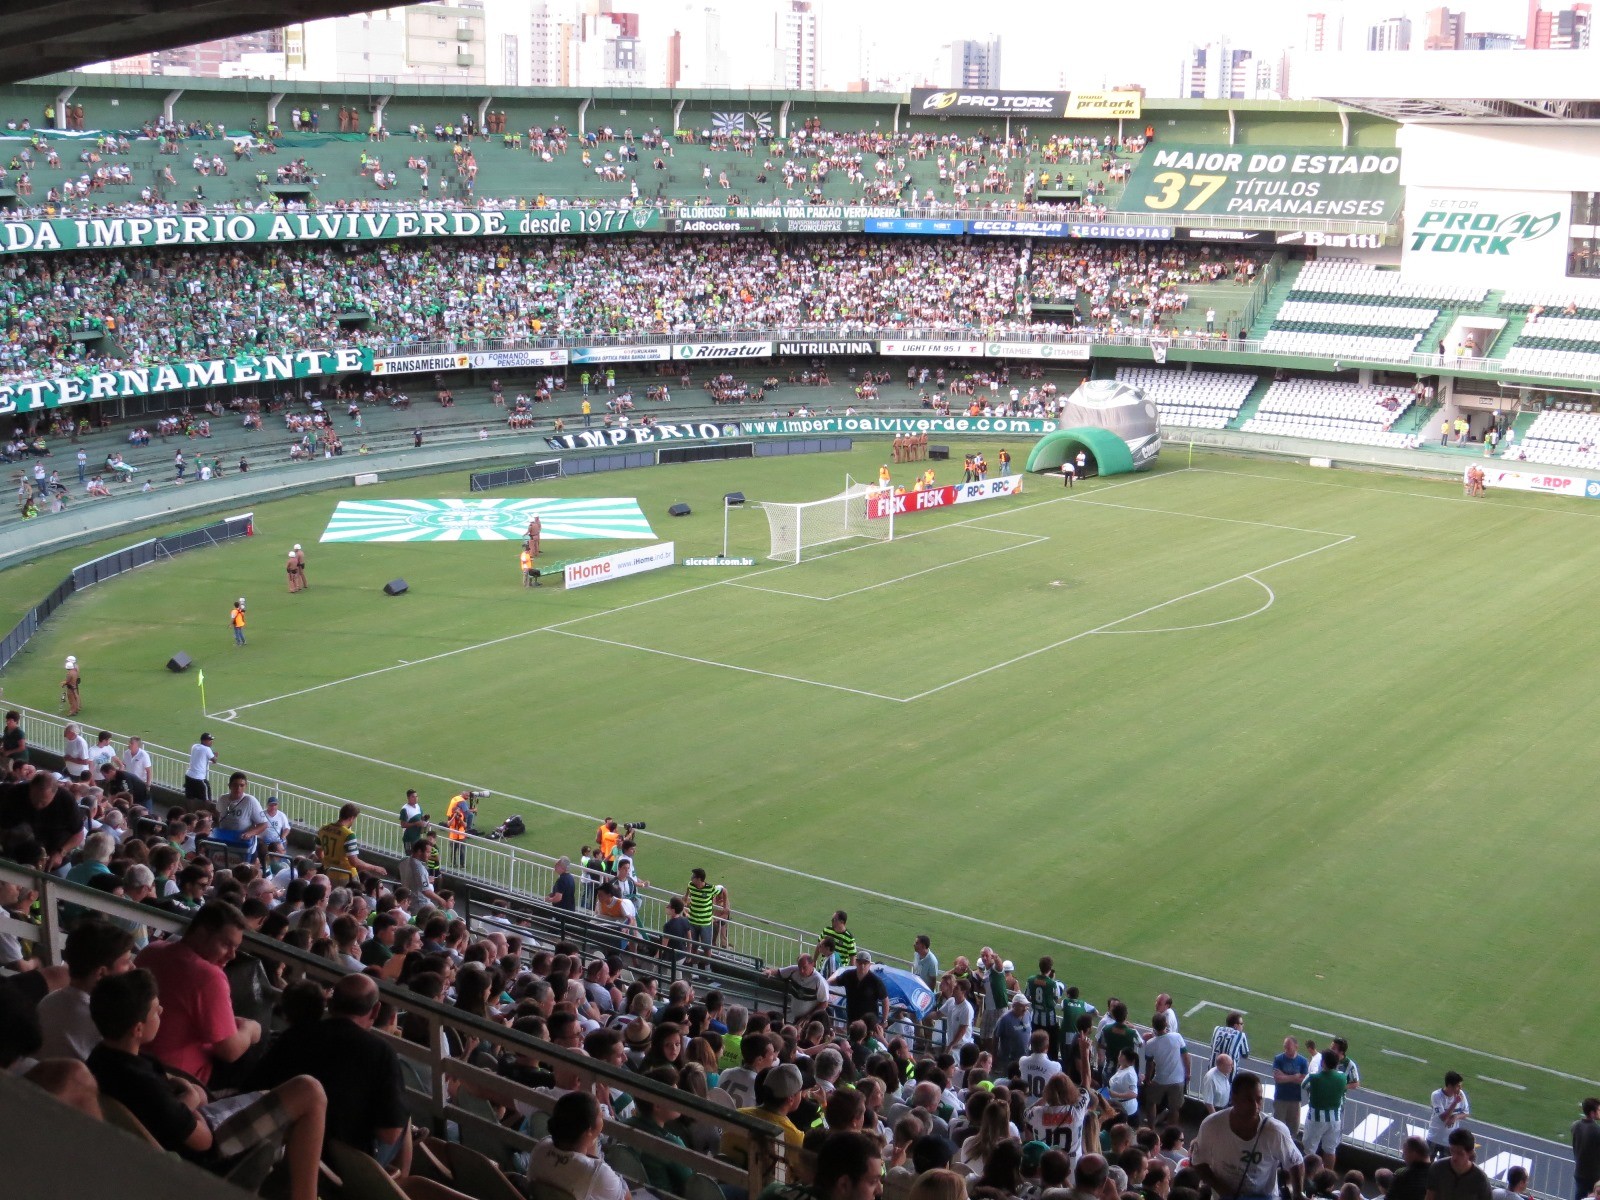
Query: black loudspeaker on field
pixel 679 510
pixel 396 587
pixel 179 662
pixel 938 451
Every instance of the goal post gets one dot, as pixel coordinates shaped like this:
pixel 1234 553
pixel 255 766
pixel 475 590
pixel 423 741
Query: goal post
pixel 797 528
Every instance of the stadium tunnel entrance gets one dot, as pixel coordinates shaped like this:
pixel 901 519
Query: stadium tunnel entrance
pixel 1107 454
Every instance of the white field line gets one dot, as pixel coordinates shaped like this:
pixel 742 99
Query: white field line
pixel 1407 1057
pixel 1033 540
pixel 708 662
pixel 522 633
pixel 1272 598
pixel 1319 1032
pixel 1000 666
pixel 1502 1082
pixel 1213 1004
pixel 1587 514
pixel 934 910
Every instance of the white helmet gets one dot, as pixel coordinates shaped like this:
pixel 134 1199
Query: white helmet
pixel 72 661
pixel 297 545
pixel 241 601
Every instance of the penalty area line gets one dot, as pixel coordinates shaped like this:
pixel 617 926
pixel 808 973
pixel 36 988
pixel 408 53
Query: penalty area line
pixel 934 910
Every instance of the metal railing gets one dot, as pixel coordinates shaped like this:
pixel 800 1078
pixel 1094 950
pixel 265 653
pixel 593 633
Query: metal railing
pixel 492 864
pixel 432 1072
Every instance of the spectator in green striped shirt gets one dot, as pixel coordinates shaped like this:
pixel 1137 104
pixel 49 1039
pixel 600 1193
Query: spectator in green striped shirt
pixel 699 896
pixel 843 940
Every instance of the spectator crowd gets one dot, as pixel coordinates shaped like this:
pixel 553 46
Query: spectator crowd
pixel 1012 1086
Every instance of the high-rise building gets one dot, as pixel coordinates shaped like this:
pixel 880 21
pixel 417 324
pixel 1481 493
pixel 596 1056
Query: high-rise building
pixel 609 50
pixel 1564 30
pixel 1218 71
pixel 423 43
pixel 1324 32
pixel 1393 33
pixel 1491 41
pixel 973 63
pixel 796 62
pixel 1443 29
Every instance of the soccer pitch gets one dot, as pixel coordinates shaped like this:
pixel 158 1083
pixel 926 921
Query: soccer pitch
pixel 1301 743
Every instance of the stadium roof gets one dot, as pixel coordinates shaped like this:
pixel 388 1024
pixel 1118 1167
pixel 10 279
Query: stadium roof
pixel 41 36
pixel 1486 86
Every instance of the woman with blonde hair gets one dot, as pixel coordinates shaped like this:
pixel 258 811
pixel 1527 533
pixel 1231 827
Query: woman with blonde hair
pixel 938 1185
pixel 994 1127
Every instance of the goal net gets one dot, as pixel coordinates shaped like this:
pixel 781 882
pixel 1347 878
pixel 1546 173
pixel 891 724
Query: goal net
pixel 797 528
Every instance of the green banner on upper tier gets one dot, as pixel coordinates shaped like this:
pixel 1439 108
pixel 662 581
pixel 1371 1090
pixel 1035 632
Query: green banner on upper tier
pixel 1266 181
pixel 179 377
pixel 110 233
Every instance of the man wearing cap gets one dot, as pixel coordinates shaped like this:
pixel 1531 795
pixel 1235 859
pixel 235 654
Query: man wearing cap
pixel 70 684
pixel 864 992
pixel 1013 1033
pixel 276 838
pixel 292 569
pixel 197 778
pixel 778 1093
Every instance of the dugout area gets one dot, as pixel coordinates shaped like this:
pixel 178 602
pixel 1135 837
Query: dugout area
pixel 1108 453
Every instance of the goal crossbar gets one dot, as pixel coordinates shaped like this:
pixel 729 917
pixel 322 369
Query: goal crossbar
pixel 797 528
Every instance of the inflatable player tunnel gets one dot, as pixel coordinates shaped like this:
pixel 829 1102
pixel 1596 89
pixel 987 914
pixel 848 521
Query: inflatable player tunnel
pixel 1109 453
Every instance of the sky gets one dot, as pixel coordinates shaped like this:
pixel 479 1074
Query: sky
pixel 1076 43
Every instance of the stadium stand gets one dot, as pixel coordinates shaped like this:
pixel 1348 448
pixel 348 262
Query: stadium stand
pixel 1562 437
pixel 1110 287
pixel 1332 410
pixel 162 166
pixel 1198 399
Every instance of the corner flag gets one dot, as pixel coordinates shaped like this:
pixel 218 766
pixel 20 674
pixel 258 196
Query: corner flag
pixel 202 691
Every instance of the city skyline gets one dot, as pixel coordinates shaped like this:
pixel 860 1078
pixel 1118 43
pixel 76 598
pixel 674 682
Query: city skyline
pixel 864 45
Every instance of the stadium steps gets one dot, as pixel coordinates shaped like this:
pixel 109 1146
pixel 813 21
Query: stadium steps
pixel 1252 402
pixel 1276 295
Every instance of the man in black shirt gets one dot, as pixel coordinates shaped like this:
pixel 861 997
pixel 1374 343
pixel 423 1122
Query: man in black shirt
pixel 358 1069
pixel 564 891
pixel 1411 1180
pixel 13 743
pixel 1586 1148
pixel 1459 1177
pixel 177 1112
pixel 864 992
pixel 119 783
pixel 675 929
pixel 46 807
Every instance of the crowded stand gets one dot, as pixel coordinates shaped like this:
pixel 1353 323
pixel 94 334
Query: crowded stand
pixel 201 166
pixel 1133 285
pixel 155 305
pixel 262 1000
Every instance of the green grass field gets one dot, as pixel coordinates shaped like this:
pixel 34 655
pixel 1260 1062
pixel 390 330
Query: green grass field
pixel 1318 735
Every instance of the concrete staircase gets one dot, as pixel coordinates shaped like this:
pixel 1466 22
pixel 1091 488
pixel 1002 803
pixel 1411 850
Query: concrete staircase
pixel 1252 402
pixel 1276 295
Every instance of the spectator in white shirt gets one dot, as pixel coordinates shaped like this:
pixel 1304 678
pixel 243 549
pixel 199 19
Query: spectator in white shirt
pixel 94 950
pixel 569 1158
pixel 74 754
pixel 1166 1072
pixel 136 761
pixel 1217 1085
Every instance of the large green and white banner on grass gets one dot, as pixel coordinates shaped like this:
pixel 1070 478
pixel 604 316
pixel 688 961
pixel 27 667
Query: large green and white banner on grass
pixel 560 519
pixel 1267 181
pixel 179 377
